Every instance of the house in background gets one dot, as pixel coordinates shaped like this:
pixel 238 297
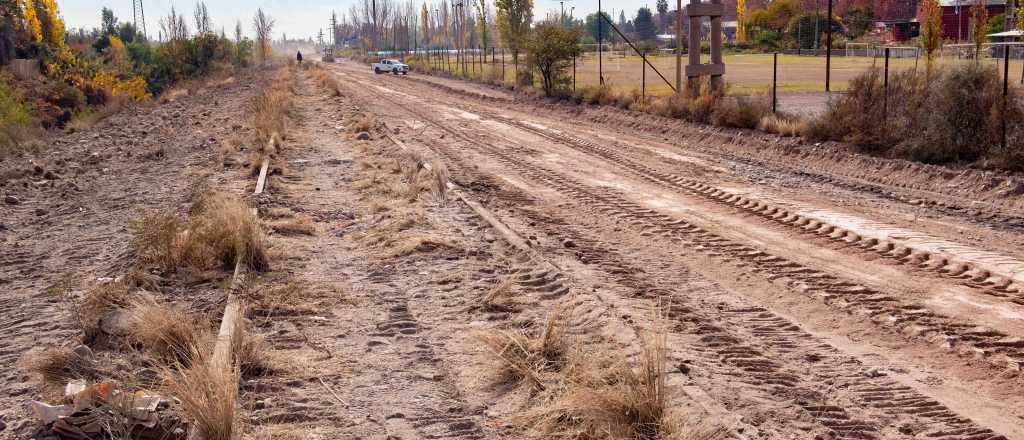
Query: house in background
pixel 956 17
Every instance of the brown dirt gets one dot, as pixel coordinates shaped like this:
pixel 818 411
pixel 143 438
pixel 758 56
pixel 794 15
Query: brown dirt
pixel 762 262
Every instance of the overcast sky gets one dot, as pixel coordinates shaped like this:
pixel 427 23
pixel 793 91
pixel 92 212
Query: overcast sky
pixel 295 18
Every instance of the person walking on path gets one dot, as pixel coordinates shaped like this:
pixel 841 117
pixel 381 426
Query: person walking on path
pixel 298 57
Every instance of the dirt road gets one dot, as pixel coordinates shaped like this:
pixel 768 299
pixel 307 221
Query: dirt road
pixel 811 296
pixel 803 291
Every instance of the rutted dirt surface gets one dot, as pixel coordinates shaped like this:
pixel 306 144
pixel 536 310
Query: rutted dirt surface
pixel 66 213
pixel 803 292
pixel 903 326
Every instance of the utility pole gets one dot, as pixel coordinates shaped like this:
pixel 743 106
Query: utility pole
pixel 828 48
pixel 139 17
pixel 600 43
pixel 679 47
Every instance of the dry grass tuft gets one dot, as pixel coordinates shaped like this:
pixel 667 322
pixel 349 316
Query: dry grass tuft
pixel 208 395
pixel 403 247
pixel 294 297
pixel 527 357
pixel 55 366
pixel 293 226
pixel 167 332
pixel 90 118
pixel 501 297
pixel 626 402
pixel 221 231
pixel 253 356
pixel 782 125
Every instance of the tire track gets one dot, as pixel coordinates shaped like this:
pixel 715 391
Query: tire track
pixel 753 343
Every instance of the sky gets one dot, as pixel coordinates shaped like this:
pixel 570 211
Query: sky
pixel 297 19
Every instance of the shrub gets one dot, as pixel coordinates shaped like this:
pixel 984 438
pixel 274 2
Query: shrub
pixel 740 111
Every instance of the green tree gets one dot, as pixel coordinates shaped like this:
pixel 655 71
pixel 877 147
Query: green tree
pixel 108 22
pixel 662 7
pixel 591 24
pixel 551 49
pixel 644 25
pixel 513 19
pixel 858 20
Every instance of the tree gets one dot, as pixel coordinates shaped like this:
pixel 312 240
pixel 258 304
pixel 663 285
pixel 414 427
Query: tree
pixel 858 20
pixel 108 22
pixel 263 25
pixel 662 7
pixel 591 26
pixel 513 19
pixel 551 49
pixel 202 19
pixel 741 24
pixel 644 25
pixel 425 24
pixel 979 25
pixel 32 22
pixel 481 12
pixel 931 32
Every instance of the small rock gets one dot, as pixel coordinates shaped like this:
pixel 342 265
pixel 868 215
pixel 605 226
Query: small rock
pixel 11 200
pixel 3 425
pixel 41 212
pixel 875 372
pixel 488 237
pixel 569 244
pixel 363 136
pixel 50 175
pixel 37 170
pixel 115 323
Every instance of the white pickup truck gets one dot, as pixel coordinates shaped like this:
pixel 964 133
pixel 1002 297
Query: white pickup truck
pixel 393 66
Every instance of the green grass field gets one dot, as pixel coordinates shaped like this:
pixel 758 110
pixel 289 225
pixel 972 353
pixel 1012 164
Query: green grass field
pixel 745 73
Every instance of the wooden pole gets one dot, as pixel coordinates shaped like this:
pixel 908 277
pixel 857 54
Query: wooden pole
pixel 679 47
pixel 828 49
pixel 775 83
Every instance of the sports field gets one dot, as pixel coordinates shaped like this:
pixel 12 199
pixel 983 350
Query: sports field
pixel 745 73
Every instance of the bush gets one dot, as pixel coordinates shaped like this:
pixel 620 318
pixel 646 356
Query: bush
pixel 740 111
pixel 950 116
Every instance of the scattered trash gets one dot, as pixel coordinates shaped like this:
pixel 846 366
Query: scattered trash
pixel 101 411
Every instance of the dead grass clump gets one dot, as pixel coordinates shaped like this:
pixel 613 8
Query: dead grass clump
pixel 528 357
pixel 782 125
pixel 98 301
pixel 293 226
pixel 629 401
pixel 253 356
pixel 270 111
pixel 208 395
pixel 438 182
pixel 500 298
pixel 294 297
pixel 403 247
pixel 55 366
pixel 221 230
pixel 740 111
pixel 168 333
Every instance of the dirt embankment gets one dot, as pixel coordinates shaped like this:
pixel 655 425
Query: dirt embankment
pixel 65 215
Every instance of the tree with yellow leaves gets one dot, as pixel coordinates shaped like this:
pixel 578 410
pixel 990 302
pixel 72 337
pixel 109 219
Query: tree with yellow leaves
pixel 32 24
pixel 741 24
pixel 52 25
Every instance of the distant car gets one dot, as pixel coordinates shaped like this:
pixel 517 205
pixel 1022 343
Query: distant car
pixel 393 66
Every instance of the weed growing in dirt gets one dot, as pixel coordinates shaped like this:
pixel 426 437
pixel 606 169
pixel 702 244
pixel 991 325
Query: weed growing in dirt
pixel 627 401
pixel 208 395
pixel 500 298
pixel 527 357
pixel 168 333
pixel 55 366
pixel 252 355
pixel 365 123
pixel 782 125
pixel 220 231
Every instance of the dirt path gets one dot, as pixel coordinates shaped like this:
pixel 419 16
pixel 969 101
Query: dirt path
pixel 907 346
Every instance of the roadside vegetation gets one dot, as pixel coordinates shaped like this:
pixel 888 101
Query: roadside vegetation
pixel 57 78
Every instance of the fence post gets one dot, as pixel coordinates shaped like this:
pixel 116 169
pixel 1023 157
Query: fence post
pixel 885 88
pixel 643 78
pixel 775 76
pixel 574 73
pixel 1006 89
pixel 503 64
